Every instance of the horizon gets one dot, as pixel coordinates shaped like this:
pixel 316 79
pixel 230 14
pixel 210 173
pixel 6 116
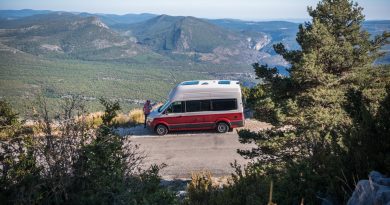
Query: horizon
pixel 248 10
pixel 291 20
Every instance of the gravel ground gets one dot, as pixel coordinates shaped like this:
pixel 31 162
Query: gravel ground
pixel 186 152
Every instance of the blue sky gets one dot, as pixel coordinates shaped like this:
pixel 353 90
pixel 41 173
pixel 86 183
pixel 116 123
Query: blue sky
pixel 239 9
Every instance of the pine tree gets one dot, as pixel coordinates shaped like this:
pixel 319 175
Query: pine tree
pixel 336 56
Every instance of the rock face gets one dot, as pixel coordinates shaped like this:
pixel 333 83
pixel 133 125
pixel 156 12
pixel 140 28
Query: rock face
pixel 375 190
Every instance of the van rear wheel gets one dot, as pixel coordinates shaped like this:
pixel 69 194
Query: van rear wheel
pixel 222 127
pixel 161 129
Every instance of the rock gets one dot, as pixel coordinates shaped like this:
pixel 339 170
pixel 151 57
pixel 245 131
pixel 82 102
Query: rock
pixel 375 190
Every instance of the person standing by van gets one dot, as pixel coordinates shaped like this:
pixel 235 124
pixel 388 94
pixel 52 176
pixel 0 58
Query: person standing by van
pixel 147 108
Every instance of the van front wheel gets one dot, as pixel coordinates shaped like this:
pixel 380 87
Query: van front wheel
pixel 161 129
pixel 222 127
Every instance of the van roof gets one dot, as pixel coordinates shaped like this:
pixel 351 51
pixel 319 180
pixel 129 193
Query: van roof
pixel 205 89
pixel 210 84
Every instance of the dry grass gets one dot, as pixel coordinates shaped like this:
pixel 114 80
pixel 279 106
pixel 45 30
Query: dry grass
pixel 137 116
pixel 134 117
pixel 200 182
pixel 94 120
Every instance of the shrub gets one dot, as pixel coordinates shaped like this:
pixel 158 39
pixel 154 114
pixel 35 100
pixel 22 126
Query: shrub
pixel 93 120
pixel 9 122
pixel 200 188
pixel 76 164
pixel 245 187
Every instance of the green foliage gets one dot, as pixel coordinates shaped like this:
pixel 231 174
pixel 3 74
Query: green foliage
pixel 73 166
pixel 19 172
pixel 9 122
pixel 7 116
pixel 326 112
pixel 368 143
pixel 245 187
pixel 20 175
pixel 329 114
pixel 200 189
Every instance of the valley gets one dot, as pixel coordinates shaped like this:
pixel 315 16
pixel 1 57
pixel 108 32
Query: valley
pixel 131 57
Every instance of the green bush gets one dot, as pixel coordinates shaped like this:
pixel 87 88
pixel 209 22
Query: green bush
pixel 330 115
pixel 77 165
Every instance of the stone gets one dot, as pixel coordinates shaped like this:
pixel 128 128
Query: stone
pixel 375 191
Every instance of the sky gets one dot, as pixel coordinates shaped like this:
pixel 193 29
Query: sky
pixel 237 9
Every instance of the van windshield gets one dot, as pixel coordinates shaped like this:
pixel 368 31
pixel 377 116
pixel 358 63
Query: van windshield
pixel 162 108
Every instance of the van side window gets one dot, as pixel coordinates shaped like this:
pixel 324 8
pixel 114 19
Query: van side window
pixel 193 106
pixel 176 107
pixel 224 104
pixel 205 105
pixel 198 105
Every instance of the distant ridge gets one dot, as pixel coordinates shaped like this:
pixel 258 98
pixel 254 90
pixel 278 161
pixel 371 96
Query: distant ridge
pixel 153 38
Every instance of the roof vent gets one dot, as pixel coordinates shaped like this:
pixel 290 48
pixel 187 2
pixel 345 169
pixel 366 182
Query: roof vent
pixel 224 82
pixel 190 83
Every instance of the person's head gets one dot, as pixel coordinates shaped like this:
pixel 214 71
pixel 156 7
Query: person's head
pixel 147 101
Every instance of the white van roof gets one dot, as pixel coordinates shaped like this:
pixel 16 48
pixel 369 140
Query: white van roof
pixel 206 89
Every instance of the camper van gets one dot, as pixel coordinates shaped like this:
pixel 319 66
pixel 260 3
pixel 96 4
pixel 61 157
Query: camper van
pixel 200 105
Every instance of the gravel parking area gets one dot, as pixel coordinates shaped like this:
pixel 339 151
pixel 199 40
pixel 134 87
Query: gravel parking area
pixel 186 152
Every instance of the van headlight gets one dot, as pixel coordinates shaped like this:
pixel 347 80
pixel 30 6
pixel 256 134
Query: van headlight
pixel 149 120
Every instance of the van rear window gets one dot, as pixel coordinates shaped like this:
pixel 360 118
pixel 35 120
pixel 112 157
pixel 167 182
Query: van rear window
pixel 224 104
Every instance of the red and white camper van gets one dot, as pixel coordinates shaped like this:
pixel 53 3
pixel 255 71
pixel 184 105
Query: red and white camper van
pixel 199 105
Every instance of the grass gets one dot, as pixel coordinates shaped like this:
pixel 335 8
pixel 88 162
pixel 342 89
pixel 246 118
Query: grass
pixel 132 118
pixel 137 116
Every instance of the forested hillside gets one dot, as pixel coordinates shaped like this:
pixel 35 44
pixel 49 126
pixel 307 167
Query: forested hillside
pixel 63 53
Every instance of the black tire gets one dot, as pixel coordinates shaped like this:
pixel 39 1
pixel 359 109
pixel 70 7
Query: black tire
pixel 161 129
pixel 222 127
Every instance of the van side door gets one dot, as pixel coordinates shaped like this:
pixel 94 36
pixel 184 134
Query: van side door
pixel 173 115
pixel 197 112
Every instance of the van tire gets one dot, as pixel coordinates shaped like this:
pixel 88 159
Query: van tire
pixel 222 127
pixel 161 129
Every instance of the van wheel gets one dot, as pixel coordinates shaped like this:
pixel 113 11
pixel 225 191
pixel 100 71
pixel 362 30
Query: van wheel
pixel 161 129
pixel 222 127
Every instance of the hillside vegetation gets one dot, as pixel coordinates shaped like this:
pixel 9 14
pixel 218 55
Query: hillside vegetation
pixel 23 76
pixel 131 57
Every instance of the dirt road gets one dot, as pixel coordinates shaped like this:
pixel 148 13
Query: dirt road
pixel 185 152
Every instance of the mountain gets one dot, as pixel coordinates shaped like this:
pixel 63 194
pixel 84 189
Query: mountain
pixel 15 14
pixel 278 31
pixel 195 39
pixel 113 19
pixel 182 34
pixel 108 19
pixel 66 35
pixel 141 38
